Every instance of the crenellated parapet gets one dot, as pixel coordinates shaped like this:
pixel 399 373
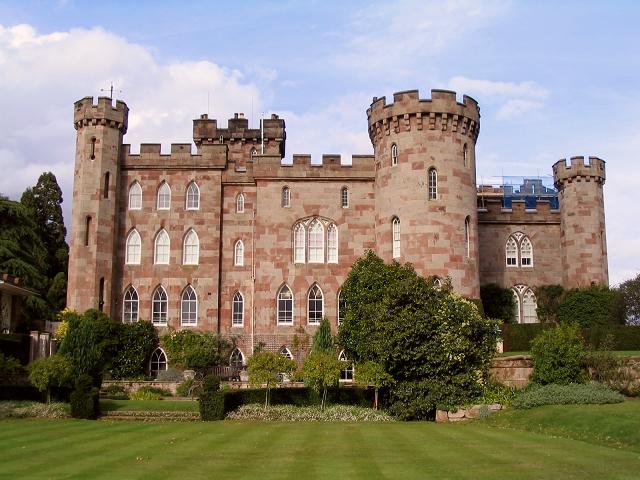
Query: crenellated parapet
pixel 206 131
pixel 151 157
pixel 441 112
pixel 103 113
pixel 578 171
pixel 330 168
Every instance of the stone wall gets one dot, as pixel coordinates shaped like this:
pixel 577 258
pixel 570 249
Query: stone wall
pixel 512 371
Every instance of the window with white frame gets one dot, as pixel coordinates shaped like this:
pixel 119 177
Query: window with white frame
pixel 193 196
pixel 437 283
pixel 285 306
pixel 158 362
pixel 189 307
pixel 525 304
pixel 238 254
pixel 164 196
pixel 161 248
pixel 286 353
pixel 395 228
pixel 133 250
pixel 332 244
pixel 159 306
pixel 433 183
pixel 315 305
pixel 237 316
pixel 286 197
pixel 191 248
pixel 342 304
pixel 394 154
pixel 344 197
pixel 316 242
pixel 519 250
pixel 135 196
pixel 346 374
pixel 236 359
pixel 130 305
pixel 299 243
pixel 240 203
pixel 254 152
pixel 467 236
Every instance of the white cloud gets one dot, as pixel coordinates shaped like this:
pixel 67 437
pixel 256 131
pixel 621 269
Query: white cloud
pixel 395 36
pixel 516 108
pixel 43 74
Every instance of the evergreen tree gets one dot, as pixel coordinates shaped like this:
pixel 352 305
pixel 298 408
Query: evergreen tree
pixel 323 339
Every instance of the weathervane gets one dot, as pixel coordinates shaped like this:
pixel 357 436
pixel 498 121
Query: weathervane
pixel 110 90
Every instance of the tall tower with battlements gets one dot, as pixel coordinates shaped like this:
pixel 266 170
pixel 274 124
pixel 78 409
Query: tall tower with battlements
pixel 425 184
pixel 92 257
pixel 583 237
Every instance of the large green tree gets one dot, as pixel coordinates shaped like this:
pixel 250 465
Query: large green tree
pixel 434 343
pixel 630 291
pixel 593 306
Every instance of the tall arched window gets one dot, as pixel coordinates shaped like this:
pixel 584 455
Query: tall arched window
pixel 238 254
pixel 130 305
pixel 316 242
pixel 526 252
pixel 158 362
pixel 240 203
pixel 286 197
pixel 526 305
pixel 298 244
pixel 346 374
pixel 105 190
pixel 394 154
pixel 516 305
pixel 315 305
pixel 341 307
pixel 236 359
pixel 344 197
pixel 191 248
pixel 286 353
pixel 285 306
pixel 237 315
pixel 332 244
pixel 465 155
pixel 193 196
pixel 162 248
pixel 395 228
pixel 164 196
pixel 133 250
pixel 511 249
pixel 467 236
pixel 159 306
pixel 135 196
pixel 433 183
pixel 189 307
pixel 519 250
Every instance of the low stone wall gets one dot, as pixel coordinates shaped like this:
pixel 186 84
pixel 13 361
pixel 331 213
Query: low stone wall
pixel 131 386
pixel 512 371
pixel 461 414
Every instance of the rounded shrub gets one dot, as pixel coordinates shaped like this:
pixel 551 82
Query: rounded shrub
pixel 211 399
pixel 558 355
pixel 84 399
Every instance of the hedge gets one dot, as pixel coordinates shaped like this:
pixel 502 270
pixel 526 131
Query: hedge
pixel 298 396
pixel 29 392
pixel 518 337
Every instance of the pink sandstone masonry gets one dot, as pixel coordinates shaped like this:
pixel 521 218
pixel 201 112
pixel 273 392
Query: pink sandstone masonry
pixel 422 174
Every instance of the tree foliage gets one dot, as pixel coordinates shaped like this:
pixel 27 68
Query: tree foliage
pixel 558 355
pixel 435 344
pixel 321 370
pixel 373 374
pixel 593 306
pixel 266 368
pixel 630 291
pixel 323 339
pixel 497 302
pixel 187 349
pixel 53 371
pixel 549 298
pixel 135 344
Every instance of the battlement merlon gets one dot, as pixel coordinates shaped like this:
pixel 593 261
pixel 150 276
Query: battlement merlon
pixel 151 158
pixel 577 170
pixel 103 113
pixel 330 169
pixel 464 116
pixel 206 130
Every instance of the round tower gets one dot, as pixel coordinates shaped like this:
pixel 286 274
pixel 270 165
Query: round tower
pixel 582 227
pixel 100 128
pixel 425 184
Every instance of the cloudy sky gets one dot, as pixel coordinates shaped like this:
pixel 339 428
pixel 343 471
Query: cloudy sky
pixel 553 81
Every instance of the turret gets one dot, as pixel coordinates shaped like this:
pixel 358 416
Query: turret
pixel 100 128
pixel 583 237
pixel 425 184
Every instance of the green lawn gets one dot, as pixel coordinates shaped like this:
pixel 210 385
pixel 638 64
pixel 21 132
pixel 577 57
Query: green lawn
pixel 195 450
pixel 152 405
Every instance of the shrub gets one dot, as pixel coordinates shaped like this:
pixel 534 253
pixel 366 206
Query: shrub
pixel 187 349
pixel 372 373
pixel 614 372
pixel 115 391
pixel 548 301
pixel 211 399
pixel 26 409
pixel 145 394
pixel 497 302
pixel 267 368
pixel 558 354
pixel 594 306
pixel 84 399
pixel 291 413
pixel 321 370
pixel 136 342
pixel 517 337
pixel 189 387
pixel 53 371
pixel 9 366
pixel 583 394
pixel 496 393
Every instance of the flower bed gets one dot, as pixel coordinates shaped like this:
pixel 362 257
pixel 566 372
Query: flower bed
pixel 290 413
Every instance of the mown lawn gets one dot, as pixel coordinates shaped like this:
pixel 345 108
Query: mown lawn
pixel 196 450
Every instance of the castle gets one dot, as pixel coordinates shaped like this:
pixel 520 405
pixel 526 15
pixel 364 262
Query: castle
pixel 232 240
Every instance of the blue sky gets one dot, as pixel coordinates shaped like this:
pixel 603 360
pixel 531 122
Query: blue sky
pixel 553 79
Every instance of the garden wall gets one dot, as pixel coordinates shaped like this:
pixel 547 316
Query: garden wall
pixel 512 371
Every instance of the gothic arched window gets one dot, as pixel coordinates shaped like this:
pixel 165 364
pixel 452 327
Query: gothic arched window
pixel 298 243
pixel 237 316
pixel 159 306
pixel 394 154
pixel 316 242
pixel 135 196
pixel 164 196
pixel 130 305
pixel 193 196
pixel 133 250
pixel 191 248
pixel 189 307
pixel 238 254
pixel 158 362
pixel 315 305
pixel 286 197
pixel 240 203
pixel 162 248
pixel 344 197
pixel 332 244
pixel 395 228
pixel 285 306
pixel 433 183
